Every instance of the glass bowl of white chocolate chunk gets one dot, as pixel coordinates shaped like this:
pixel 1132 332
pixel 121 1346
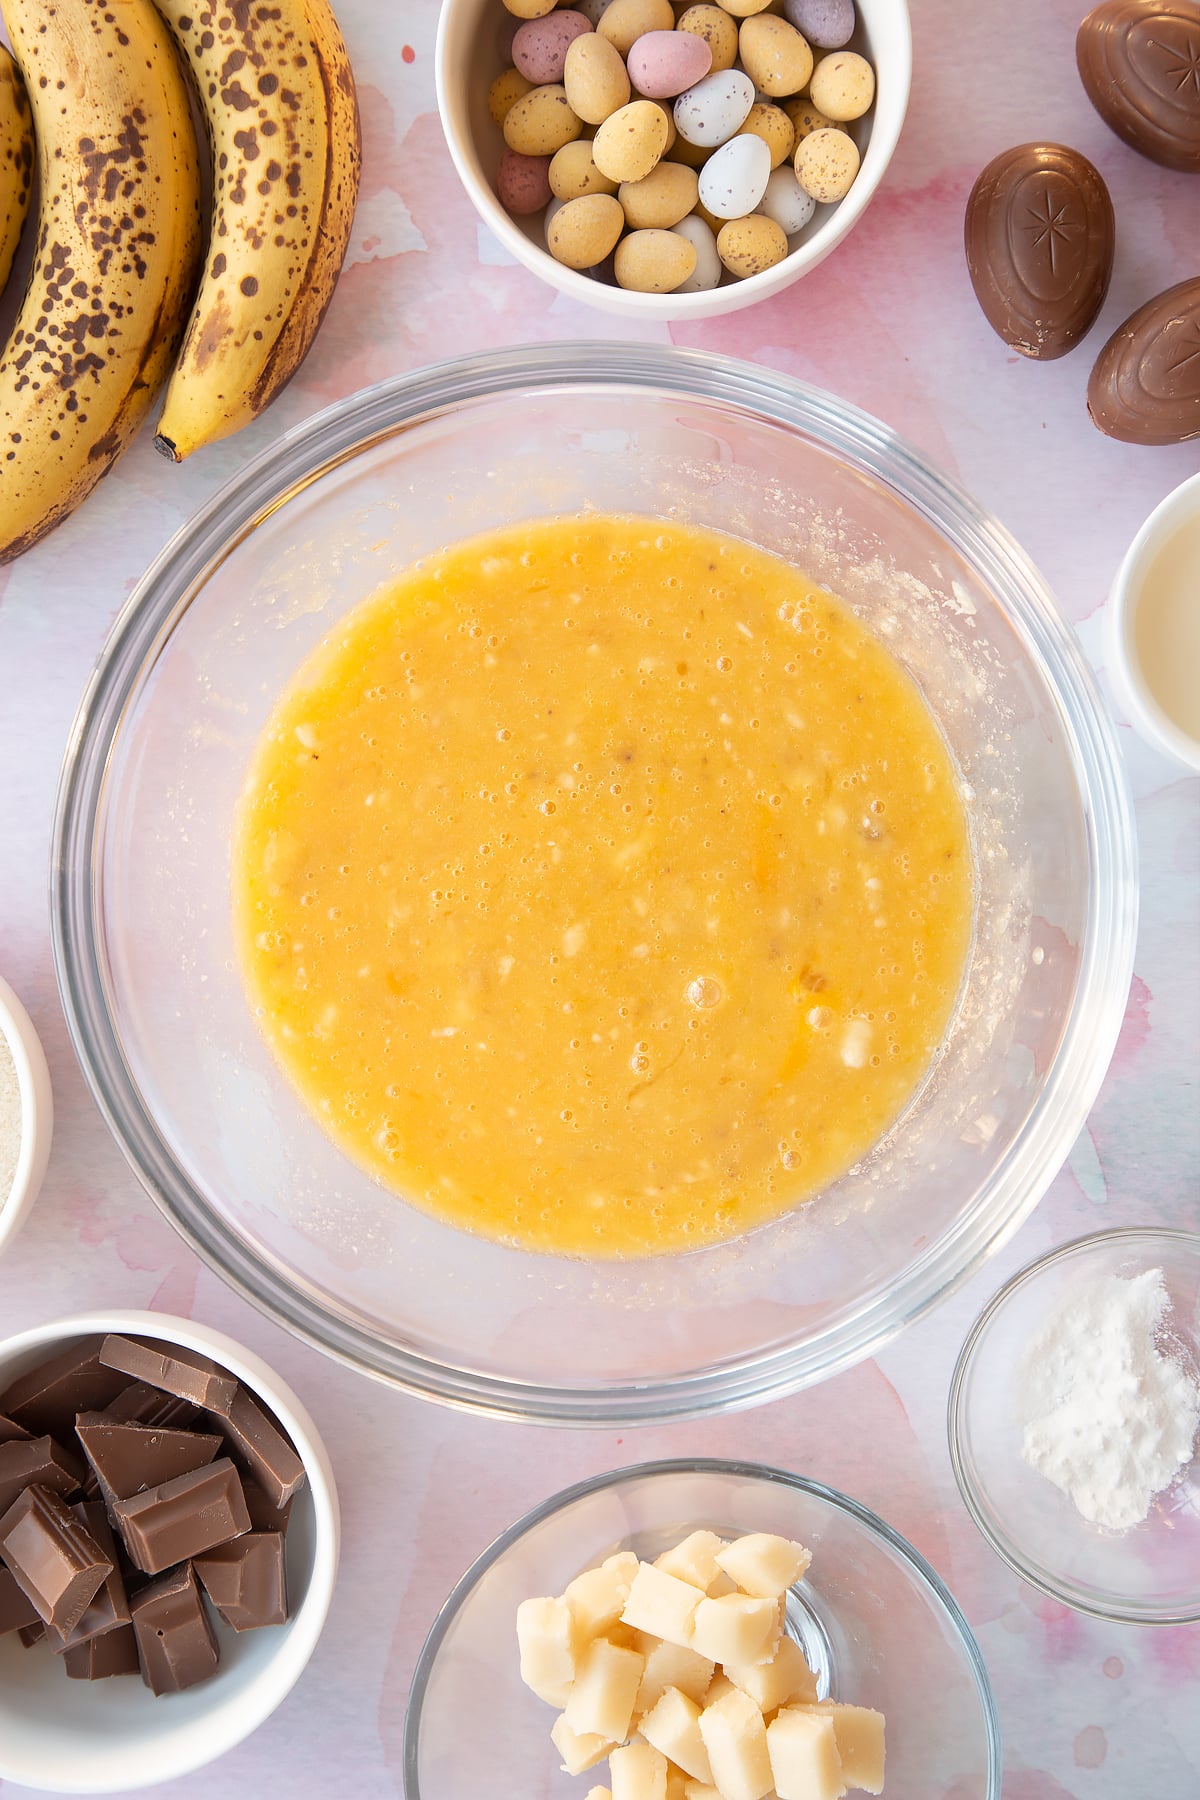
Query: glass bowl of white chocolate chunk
pixel 701 1630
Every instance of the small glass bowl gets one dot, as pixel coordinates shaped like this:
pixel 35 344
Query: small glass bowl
pixel 875 1623
pixel 1146 1575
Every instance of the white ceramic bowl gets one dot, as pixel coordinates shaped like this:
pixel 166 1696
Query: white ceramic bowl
pixel 107 1737
pixel 37 1112
pixel 468 58
pixel 1180 509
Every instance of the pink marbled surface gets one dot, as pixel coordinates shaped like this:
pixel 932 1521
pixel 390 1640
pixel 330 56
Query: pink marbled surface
pixel 1088 1711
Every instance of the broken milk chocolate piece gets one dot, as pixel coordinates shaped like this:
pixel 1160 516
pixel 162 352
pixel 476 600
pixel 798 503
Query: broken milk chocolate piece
pixel 264 1514
pixel 260 1444
pixel 16 1608
pixel 9 1429
pixel 110 1606
pixel 32 1634
pixel 26 1461
pixel 141 1404
pixel 184 1373
pixel 114 1653
pixel 1139 61
pixel 175 1641
pixel 55 1559
pixel 246 1580
pixel 46 1399
pixel 128 1459
pixel 184 1517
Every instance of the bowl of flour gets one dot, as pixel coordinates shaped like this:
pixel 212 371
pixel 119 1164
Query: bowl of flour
pixel 1074 1423
pixel 26 1113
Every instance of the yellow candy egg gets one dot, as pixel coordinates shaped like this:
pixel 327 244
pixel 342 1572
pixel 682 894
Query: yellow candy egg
pixel 541 122
pixel 774 55
pixel 750 245
pixel 806 117
pixel 843 85
pixel 505 91
pixel 744 9
pixel 529 9
pixel 594 78
pixel 583 231
pixel 627 145
pixel 826 164
pixel 772 125
pixel 663 197
pixel 625 21
pixel 653 262
pixel 573 172
pixel 714 25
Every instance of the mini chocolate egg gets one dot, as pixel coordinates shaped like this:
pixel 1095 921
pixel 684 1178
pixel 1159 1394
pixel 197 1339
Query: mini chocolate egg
pixel 505 91
pixel 826 164
pixel 625 21
pixel 594 78
pixel 541 122
pixel 827 24
pixel 772 125
pixel 748 246
pixel 630 142
pixel 663 63
pixel 522 183
pixel 784 200
pixel 715 108
pixel 718 30
pixel 529 9
pixel 573 172
pixel 653 262
pixel 707 272
pixel 540 46
pixel 734 179
pixel 663 197
pixel 843 85
pixel 584 231
pixel 774 55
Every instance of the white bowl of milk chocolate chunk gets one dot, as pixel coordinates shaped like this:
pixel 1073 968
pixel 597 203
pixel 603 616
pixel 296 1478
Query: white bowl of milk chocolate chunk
pixel 168 1547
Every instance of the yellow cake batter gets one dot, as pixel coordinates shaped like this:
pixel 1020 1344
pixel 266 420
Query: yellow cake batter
pixel 603 886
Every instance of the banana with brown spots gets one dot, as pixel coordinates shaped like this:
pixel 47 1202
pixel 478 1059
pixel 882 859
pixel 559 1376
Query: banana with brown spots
pixel 16 161
pixel 116 256
pixel 278 96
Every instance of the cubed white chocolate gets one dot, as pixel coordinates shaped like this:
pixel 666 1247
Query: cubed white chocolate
pixel 606 1682
pixel 673 1726
pixel 597 1596
pixel 718 1687
pixel 546 1638
pixel 772 1684
pixel 662 1604
pixel 638 1772
pixel 737 1628
pixel 764 1565
pixel 578 1752
pixel 736 1740
pixel 694 1560
pixel 859 1732
pixel 677 1783
pixel 670 1665
pixel 700 1790
pixel 804 1756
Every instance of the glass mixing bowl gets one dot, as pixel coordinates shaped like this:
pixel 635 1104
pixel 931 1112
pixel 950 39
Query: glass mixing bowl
pixel 141 882
pixel 875 1624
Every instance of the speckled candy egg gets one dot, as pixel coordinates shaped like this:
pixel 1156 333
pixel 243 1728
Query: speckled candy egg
pixel 748 246
pixel 827 24
pixel 540 45
pixel 707 272
pixel 653 262
pixel 625 21
pixel 584 231
pixel 627 145
pixel 541 122
pixel 784 200
pixel 734 179
pixel 826 164
pixel 843 85
pixel 666 195
pixel 505 91
pixel 529 9
pixel 594 78
pixel 715 108
pixel 773 126
pixel 774 55
pixel 663 63
pixel 717 28
pixel 523 183
pixel 573 172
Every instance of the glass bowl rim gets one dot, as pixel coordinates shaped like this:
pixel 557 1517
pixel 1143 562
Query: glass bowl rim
pixel 698 1465
pixel 956 1408
pixel 333 437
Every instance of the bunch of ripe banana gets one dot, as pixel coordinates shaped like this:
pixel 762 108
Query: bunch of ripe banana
pixel 122 288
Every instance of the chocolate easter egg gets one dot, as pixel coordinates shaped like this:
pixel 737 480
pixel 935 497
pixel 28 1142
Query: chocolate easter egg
pixel 1139 61
pixel 1145 387
pixel 1039 239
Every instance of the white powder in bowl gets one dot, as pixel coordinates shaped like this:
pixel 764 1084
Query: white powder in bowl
pixel 10 1120
pixel 1111 1414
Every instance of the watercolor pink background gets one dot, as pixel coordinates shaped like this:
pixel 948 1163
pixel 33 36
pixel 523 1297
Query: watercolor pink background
pixel 1089 1712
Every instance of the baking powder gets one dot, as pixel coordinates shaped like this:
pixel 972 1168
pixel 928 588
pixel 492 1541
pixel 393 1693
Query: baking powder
pixel 1111 1413
pixel 10 1120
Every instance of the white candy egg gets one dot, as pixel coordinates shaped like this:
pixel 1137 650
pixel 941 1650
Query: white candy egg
pixel 734 179
pixel 713 110
pixel 785 201
pixel 707 272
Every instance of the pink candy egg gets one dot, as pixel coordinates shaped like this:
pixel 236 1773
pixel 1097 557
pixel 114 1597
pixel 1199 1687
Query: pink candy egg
pixel 539 47
pixel 523 183
pixel 663 63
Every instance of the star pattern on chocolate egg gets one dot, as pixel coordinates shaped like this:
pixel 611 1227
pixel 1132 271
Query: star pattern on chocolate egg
pixel 1183 60
pixel 1051 225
